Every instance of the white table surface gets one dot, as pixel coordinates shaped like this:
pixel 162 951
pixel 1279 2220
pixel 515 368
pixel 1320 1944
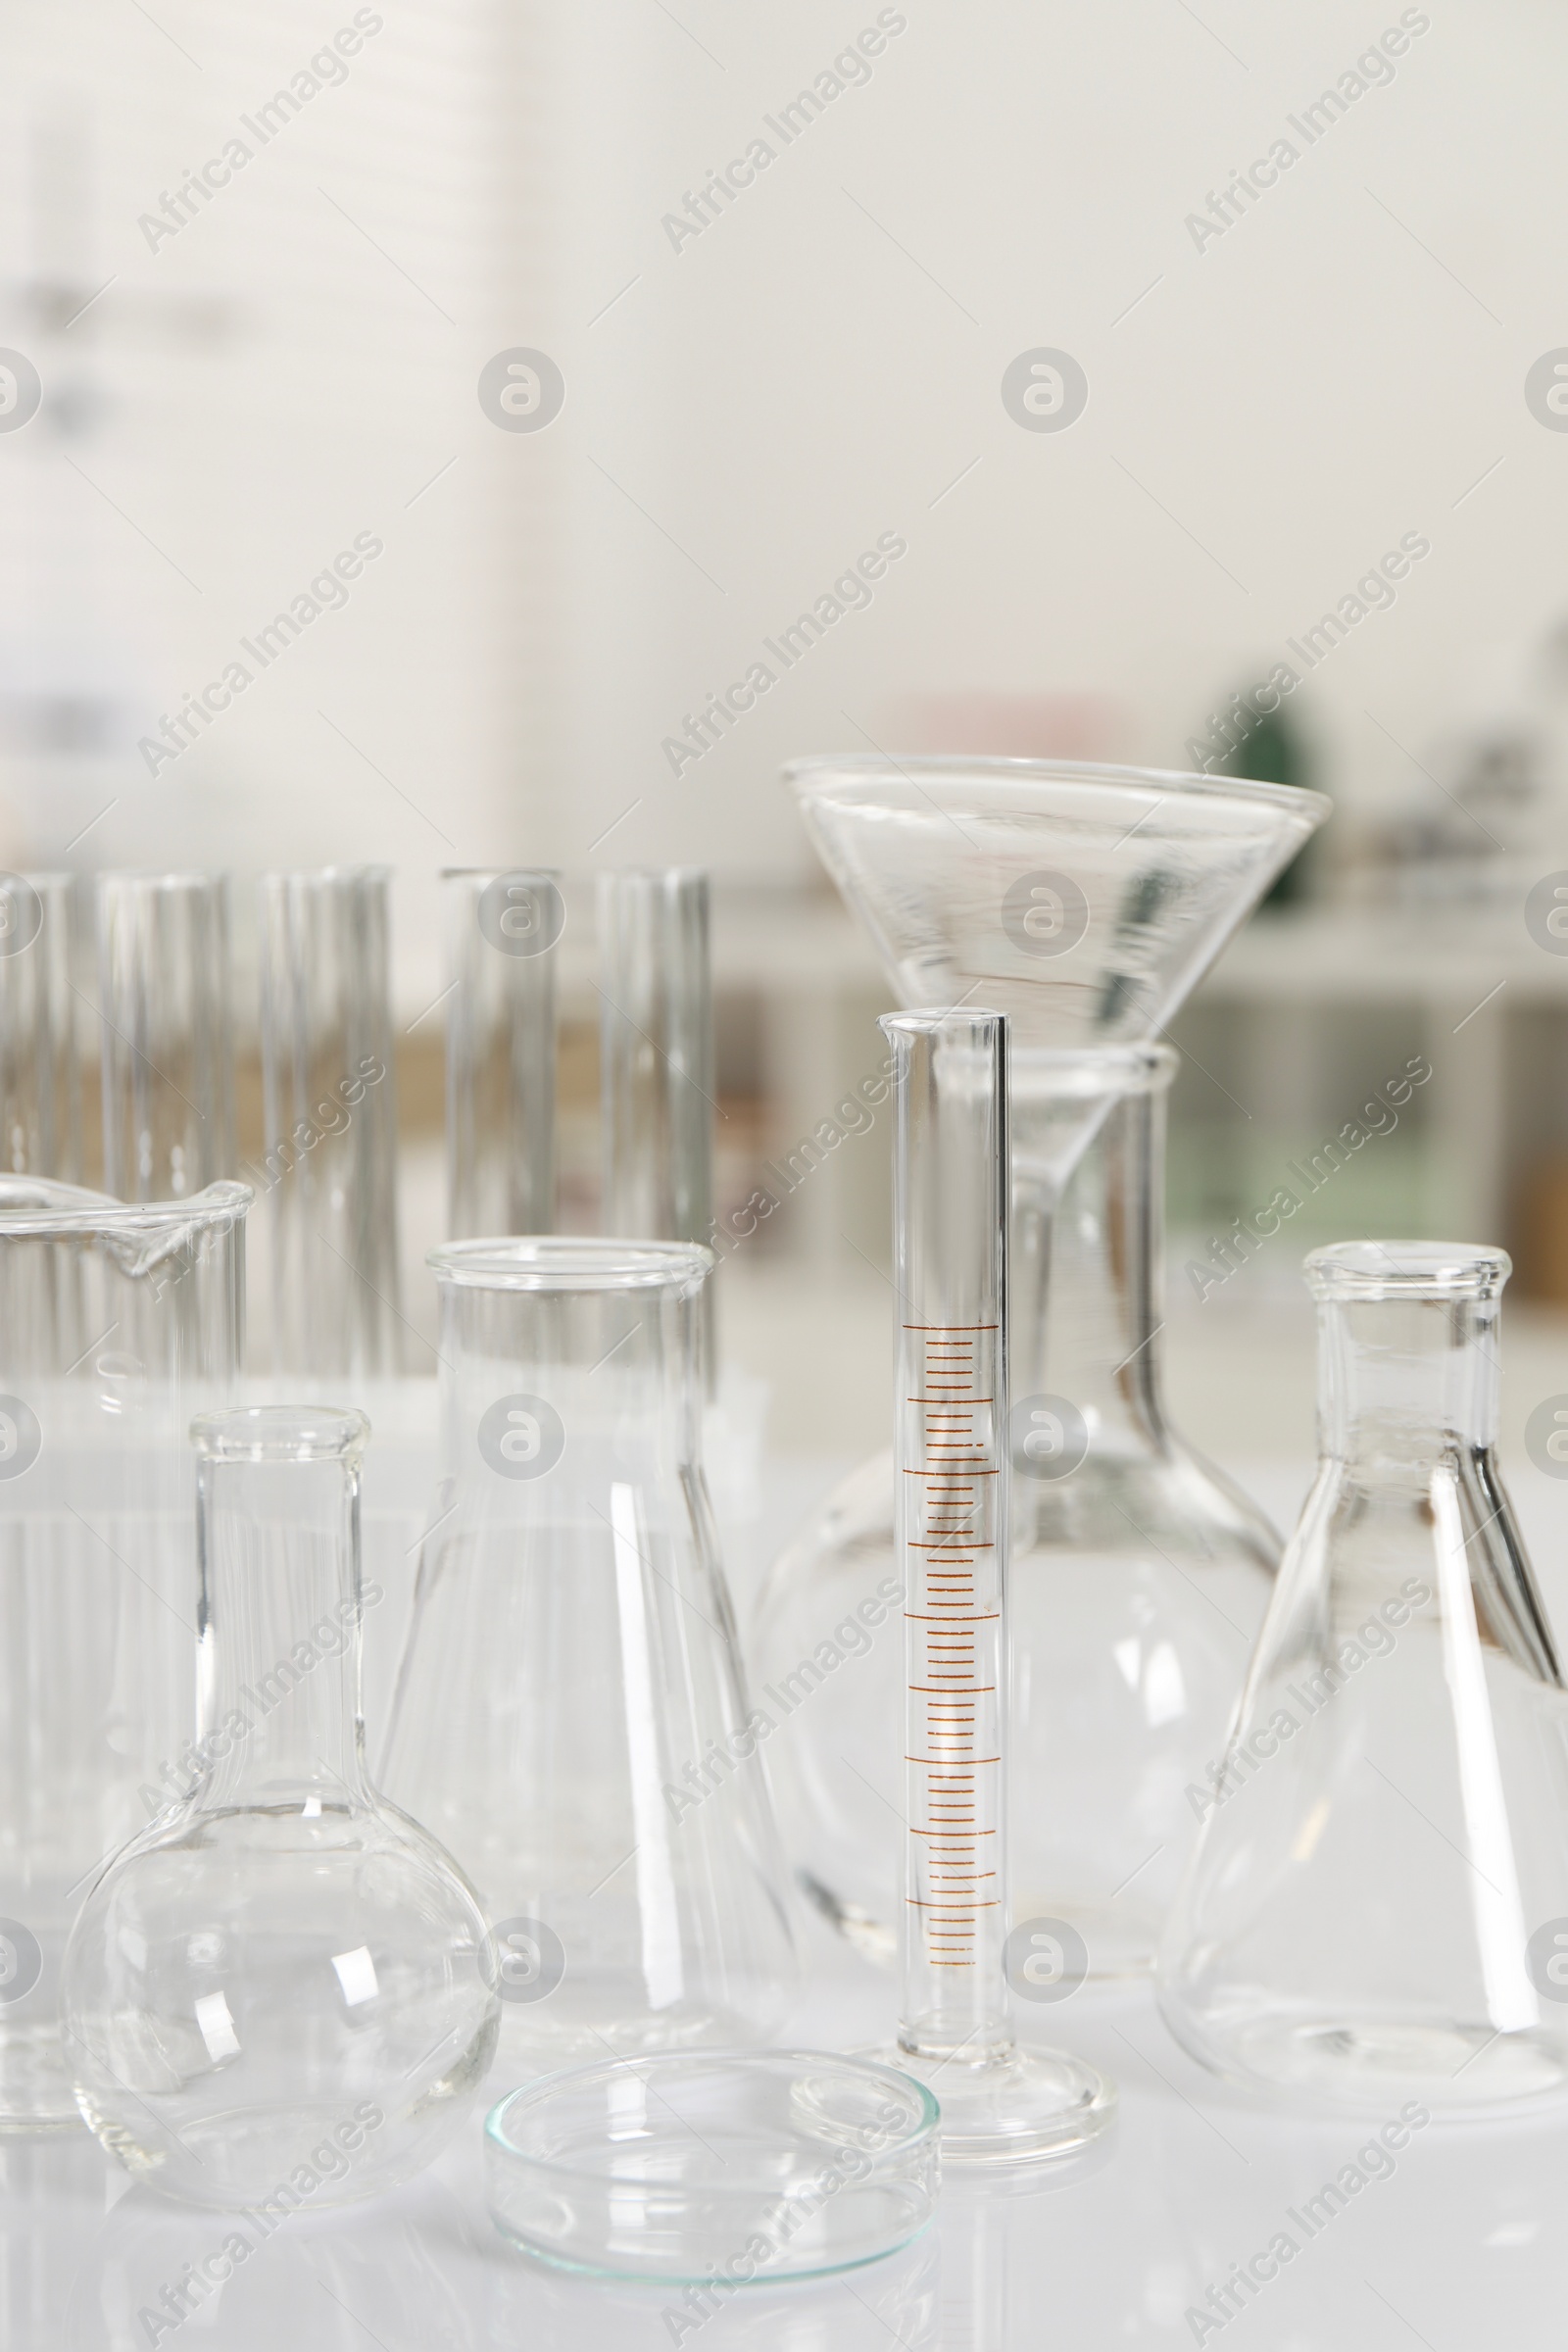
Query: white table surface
pixel 1463 2245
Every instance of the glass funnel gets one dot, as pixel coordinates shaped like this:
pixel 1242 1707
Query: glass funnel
pixel 1087 904
pixel 570 1716
pixel 116 1323
pixel 280 1994
pixel 1378 1905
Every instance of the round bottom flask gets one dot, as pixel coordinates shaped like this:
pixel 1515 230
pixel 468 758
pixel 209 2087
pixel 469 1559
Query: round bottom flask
pixel 280 1993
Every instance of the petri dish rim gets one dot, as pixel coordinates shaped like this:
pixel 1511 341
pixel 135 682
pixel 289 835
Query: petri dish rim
pixel 726 2184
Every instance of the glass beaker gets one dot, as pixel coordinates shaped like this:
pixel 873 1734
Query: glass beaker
pixel 501 932
pixel 167 1053
pixel 40 1068
pixel 330 1104
pixel 1378 1902
pixel 570 1717
pixel 281 1992
pixel 1085 903
pixel 1139 1574
pixel 114 1323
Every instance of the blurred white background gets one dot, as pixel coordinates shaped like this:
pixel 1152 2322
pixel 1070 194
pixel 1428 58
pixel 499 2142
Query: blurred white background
pixel 231 399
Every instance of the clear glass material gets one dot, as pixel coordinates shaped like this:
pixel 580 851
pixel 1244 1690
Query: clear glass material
pixel 657 1054
pixel 1085 903
pixel 1140 1573
pixel 281 1993
pixel 716 2170
pixel 501 933
pixel 40 1066
pixel 1378 1906
pixel 570 1716
pixel 330 1106
pixel 1002 2105
pixel 167 1058
pixel 116 1323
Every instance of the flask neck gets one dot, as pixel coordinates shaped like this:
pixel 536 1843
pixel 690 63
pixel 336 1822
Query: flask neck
pixel 1088 1262
pixel 1407 1381
pixel 280 1610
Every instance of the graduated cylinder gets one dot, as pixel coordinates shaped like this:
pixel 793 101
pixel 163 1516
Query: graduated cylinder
pixel 950 1197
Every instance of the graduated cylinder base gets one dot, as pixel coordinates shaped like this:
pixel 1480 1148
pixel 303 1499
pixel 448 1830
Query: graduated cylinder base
pixel 1027 2107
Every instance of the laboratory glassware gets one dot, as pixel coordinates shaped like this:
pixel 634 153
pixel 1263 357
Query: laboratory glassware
pixel 167 1054
pixel 40 1066
pixel 1002 2104
pixel 502 927
pixel 281 1993
pixel 330 1104
pixel 717 2168
pixel 570 1716
pixel 1086 903
pixel 1377 1908
pixel 1139 1574
pixel 116 1323
pixel 655 1046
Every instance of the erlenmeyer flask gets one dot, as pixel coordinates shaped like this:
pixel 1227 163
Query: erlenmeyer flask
pixel 1378 1902
pixel 570 1718
pixel 1086 903
pixel 116 1323
pixel 281 1993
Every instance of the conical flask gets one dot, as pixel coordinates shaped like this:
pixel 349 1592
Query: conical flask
pixel 1377 1908
pixel 281 1994
pixel 570 1716
pixel 1086 903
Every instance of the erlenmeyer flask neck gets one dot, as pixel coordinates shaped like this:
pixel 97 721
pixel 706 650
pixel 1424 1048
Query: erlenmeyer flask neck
pixel 281 1604
pixel 1408 1356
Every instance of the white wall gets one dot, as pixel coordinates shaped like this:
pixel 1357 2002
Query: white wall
pixel 754 408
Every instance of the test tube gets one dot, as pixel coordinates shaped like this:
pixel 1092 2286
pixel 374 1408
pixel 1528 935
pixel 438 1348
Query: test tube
pixel 40 1070
pixel 1001 2103
pixel 167 1053
pixel 501 934
pixel 655 1061
pixel 330 1110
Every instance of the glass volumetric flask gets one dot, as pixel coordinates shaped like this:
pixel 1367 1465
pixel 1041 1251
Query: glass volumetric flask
pixel 570 1716
pixel 166 1049
pixel 501 933
pixel 1139 1574
pixel 116 1323
pixel 330 1106
pixel 280 1994
pixel 1086 903
pixel 1377 1907
pixel 1000 2105
pixel 40 1070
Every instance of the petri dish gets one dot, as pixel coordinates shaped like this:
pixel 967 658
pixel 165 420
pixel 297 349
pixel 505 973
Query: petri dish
pixel 718 2168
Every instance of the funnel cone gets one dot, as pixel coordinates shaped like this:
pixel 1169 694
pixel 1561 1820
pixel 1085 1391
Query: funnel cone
pixel 1085 903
